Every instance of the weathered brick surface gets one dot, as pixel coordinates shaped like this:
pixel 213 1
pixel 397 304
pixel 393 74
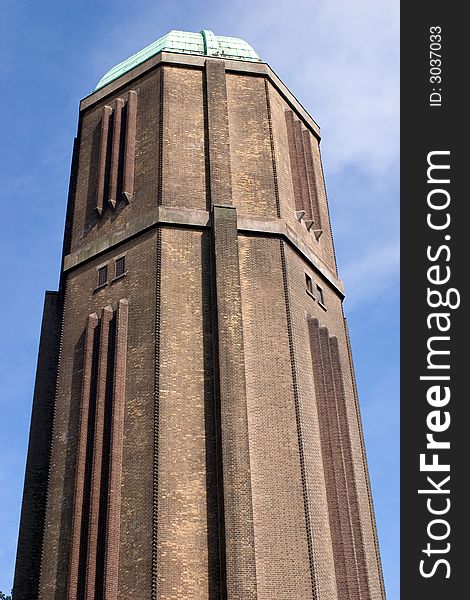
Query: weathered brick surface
pixel 106 113
pixel 116 443
pixel 335 478
pixel 184 176
pixel 92 579
pixel 82 470
pixel 250 146
pixel 129 147
pixel 113 198
pixel 282 562
pixel 281 150
pixel 316 463
pixel 360 567
pixel 327 244
pixel 187 517
pixel 313 183
pixel 236 469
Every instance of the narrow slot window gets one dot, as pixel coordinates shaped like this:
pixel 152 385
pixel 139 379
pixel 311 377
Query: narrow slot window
pixel 120 266
pixel 308 284
pixel 102 275
pixel 319 295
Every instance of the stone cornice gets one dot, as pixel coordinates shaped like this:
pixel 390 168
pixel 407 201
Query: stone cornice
pixel 179 217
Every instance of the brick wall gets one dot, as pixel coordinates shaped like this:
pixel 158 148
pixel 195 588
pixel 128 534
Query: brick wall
pixel 82 299
pixel 187 533
pixel 250 146
pixel 228 474
pixel 184 176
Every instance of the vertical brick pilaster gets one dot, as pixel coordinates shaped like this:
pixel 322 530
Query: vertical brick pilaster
pixel 115 152
pixel 346 540
pixel 234 438
pixel 312 182
pixel 113 526
pixel 218 133
pixel 72 588
pixel 299 149
pixel 293 157
pixel 354 517
pixel 100 186
pixel 328 448
pixel 98 441
pixel 129 147
pixel 346 531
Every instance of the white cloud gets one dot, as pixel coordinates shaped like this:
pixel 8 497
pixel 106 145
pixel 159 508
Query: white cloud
pixel 341 60
pixel 371 274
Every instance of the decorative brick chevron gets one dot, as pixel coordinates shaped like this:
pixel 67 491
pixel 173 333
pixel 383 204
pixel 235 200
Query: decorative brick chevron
pixel 306 190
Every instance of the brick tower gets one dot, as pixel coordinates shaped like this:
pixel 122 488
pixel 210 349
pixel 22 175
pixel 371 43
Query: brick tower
pixel 195 430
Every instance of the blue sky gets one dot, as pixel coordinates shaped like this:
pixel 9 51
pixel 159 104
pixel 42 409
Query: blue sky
pixel 339 58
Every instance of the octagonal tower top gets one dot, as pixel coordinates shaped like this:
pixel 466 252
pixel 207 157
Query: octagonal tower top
pixel 203 43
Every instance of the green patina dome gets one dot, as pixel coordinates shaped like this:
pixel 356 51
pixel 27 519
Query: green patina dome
pixel 203 43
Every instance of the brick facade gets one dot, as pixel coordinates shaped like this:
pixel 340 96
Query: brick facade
pixel 195 428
